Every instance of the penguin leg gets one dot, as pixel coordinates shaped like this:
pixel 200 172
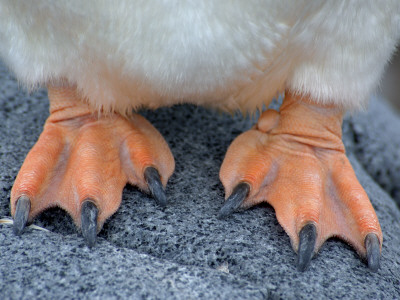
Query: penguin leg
pixel 83 160
pixel 295 160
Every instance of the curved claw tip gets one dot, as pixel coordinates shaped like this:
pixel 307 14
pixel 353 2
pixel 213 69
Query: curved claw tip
pixel 308 237
pixel 89 213
pixel 21 214
pixel 373 251
pixel 239 194
pixel 153 180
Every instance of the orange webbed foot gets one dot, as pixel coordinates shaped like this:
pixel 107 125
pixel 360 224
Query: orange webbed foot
pixel 82 161
pixel 295 160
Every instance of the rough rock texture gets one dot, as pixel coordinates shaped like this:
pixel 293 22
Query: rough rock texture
pixel 376 140
pixel 184 251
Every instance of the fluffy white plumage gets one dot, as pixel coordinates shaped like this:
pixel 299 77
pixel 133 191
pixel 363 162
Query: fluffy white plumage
pixel 227 54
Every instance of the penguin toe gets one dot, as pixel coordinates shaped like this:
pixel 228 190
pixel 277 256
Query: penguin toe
pixel 295 160
pixel 82 161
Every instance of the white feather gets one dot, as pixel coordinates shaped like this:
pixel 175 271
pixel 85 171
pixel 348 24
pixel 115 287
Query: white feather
pixel 228 54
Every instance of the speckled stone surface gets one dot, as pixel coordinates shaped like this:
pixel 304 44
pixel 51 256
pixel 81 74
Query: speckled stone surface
pixel 184 251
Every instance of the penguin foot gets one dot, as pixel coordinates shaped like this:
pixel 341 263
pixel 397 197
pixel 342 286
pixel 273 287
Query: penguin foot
pixel 295 160
pixel 82 162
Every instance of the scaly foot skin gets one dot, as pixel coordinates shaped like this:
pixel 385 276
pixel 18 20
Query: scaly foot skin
pixel 295 160
pixel 82 162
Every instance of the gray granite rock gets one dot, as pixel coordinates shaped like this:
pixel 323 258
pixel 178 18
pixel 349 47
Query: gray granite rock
pixel 376 139
pixel 49 266
pixel 184 251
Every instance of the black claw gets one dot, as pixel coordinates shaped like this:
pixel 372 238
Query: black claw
pixel 21 214
pixel 373 251
pixel 308 237
pixel 89 214
pixel 239 194
pixel 153 180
